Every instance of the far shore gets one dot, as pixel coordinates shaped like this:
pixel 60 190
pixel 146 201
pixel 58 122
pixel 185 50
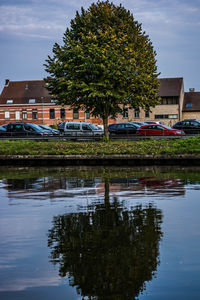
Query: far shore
pixel 101 153
pixel 100 160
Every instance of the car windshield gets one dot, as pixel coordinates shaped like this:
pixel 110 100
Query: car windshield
pixel 94 127
pixel 45 127
pixel 137 124
pixel 167 127
pixel 36 127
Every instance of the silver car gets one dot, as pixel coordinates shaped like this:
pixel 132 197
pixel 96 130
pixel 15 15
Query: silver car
pixel 81 129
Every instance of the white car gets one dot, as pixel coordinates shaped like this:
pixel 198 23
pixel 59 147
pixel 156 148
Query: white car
pixel 81 129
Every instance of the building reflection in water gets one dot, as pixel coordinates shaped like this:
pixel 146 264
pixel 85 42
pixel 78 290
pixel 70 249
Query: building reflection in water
pixel 107 251
pixel 54 188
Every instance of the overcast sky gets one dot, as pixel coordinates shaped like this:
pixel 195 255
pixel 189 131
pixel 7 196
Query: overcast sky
pixel 29 29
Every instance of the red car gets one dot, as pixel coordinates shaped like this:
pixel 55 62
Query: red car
pixel 158 129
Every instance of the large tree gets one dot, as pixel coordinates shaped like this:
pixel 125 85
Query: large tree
pixel 106 62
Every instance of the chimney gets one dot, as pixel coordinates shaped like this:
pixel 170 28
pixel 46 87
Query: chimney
pixel 191 90
pixel 7 82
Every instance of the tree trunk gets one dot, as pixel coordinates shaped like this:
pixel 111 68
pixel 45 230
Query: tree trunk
pixel 107 193
pixel 105 124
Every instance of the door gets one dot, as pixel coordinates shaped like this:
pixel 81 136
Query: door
pixel 158 130
pixel 86 130
pixel 130 129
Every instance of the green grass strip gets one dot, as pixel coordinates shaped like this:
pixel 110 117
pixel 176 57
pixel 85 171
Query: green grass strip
pixel 141 147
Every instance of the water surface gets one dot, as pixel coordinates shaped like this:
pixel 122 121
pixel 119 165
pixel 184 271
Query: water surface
pixel 99 233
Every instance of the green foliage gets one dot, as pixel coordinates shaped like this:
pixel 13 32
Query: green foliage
pixel 104 147
pixel 105 63
pixel 54 126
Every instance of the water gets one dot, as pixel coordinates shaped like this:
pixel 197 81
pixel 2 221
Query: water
pixel 99 233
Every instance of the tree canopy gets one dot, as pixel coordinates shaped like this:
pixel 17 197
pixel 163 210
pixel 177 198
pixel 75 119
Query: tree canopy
pixel 106 62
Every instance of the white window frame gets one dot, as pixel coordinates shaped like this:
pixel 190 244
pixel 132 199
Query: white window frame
pixel 7 115
pixel 87 114
pixel 24 114
pixel 31 101
pixel 9 101
pixel 137 114
pixel 17 115
pixel 174 116
pixel 125 113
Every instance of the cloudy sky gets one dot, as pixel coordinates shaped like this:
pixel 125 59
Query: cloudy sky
pixel 29 29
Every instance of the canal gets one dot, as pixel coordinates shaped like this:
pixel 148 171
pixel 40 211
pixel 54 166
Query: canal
pixel 100 233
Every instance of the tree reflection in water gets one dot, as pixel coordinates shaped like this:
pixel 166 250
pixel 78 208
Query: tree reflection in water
pixel 108 252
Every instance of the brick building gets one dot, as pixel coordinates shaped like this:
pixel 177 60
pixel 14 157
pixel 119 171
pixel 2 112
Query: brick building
pixel 169 111
pixel 191 105
pixel 29 101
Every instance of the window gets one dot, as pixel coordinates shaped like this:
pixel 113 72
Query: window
pixel 52 113
pixel 75 113
pixel 34 114
pixel 87 114
pixel 17 127
pixel 71 126
pixel 158 127
pixel 188 105
pixel 137 113
pixel 169 100
pixel 62 113
pixel 194 123
pixel 146 114
pixel 129 126
pixel 86 127
pixel 120 126
pixel 17 115
pixel 9 101
pixel 29 128
pixel 31 101
pixel 125 113
pixel 7 115
pixel 175 116
pixel 161 116
pixel 24 115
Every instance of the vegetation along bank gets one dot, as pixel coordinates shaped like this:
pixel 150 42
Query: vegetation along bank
pixel 143 152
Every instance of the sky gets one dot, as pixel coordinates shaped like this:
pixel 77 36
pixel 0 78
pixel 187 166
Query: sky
pixel 30 28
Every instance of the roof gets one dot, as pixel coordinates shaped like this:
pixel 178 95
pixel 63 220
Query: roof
pixel 170 86
pixel 191 101
pixel 22 91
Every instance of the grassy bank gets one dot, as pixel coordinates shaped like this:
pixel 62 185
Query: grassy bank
pixel 170 147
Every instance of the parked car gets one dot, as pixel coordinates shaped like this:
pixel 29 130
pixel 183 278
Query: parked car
pixel 21 129
pixel 61 126
pixel 188 126
pixel 123 128
pixel 81 129
pixel 140 123
pixel 4 126
pixel 153 122
pixel 2 129
pixel 52 130
pixel 158 129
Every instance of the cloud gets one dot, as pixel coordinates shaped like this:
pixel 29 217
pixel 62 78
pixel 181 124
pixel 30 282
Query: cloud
pixel 20 284
pixel 32 21
pixel 172 25
pixel 48 19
